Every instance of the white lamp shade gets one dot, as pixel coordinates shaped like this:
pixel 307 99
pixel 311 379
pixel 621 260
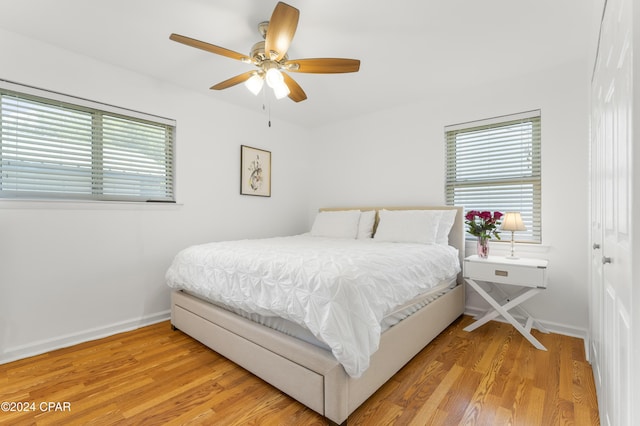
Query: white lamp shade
pixel 254 84
pixel 512 221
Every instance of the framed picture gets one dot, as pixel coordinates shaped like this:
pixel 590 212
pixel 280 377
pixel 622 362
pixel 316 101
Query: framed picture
pixel 255 171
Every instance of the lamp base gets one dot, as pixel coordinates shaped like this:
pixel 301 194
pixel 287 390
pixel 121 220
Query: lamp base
pixel 513 249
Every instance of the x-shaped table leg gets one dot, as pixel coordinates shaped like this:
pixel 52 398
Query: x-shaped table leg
pixel 503 310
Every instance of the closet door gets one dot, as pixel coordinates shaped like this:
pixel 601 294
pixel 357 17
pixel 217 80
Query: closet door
pixel 596 279
pixel 610 287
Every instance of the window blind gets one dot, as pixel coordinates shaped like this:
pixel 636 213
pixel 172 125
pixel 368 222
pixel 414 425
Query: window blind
pixel 495 165
pixel 52 148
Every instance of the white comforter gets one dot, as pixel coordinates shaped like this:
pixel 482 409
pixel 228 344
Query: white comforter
pixel 337 288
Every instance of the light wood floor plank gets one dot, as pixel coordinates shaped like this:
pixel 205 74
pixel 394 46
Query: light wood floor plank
pixel 156 376
pixel 427 410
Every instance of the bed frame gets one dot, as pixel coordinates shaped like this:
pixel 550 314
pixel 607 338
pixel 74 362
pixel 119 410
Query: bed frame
pixel 306 372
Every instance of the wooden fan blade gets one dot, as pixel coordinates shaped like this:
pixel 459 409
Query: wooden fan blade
pixel 209 47
pixel 233 81
pixel 282 27
pixel 296 93
pixel 323 65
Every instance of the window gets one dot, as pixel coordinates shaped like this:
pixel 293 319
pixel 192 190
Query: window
pixel 56 146
pixel 495 165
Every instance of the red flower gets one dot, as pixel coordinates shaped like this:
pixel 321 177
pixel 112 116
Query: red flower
pixel 483 224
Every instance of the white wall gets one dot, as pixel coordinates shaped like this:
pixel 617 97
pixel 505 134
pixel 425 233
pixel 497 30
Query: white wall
pixel 397 157
pixel 74 271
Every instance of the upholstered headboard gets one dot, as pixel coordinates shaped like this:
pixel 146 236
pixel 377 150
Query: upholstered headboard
pixel 456 235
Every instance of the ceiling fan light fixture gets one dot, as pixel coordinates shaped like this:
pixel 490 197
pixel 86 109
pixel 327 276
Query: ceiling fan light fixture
pixel 254 84
pixel 274 78
pixel 281 90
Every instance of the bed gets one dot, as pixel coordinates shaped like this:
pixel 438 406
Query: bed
pixel 315 373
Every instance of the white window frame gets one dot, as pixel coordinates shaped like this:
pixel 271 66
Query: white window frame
pixel 495 165
pixel 115 154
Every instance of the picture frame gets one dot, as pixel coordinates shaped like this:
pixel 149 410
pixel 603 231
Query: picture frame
pixel 255 171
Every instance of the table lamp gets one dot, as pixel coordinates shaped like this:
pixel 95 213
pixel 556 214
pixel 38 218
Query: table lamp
pixel 512 221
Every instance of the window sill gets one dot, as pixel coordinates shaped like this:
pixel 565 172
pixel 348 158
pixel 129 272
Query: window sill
pixel 84 205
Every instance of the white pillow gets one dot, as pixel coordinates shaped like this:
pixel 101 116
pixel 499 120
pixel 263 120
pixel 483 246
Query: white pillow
pixel 408 226
pixel 365 226
pixel 444 226
pixel 336 224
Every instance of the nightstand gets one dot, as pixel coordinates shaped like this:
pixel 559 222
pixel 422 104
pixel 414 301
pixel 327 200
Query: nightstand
pixel 528 274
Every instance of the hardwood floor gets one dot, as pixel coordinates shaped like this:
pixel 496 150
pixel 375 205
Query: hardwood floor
pixel 154 376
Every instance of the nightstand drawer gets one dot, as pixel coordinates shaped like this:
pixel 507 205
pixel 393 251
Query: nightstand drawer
pixel 505 273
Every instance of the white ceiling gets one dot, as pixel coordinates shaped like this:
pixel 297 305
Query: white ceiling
pixel 408 49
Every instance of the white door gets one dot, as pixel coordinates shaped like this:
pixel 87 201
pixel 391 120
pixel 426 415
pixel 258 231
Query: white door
pixel 596 280
pixel 610 278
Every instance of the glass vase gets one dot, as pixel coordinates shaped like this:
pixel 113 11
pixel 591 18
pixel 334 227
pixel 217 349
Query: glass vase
pixel 483 247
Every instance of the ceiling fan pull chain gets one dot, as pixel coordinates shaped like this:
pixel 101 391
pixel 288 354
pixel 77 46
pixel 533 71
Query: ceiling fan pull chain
pixel 268 111
pixel 266 106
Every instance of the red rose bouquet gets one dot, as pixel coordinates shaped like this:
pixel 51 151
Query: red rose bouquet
pixel 483 224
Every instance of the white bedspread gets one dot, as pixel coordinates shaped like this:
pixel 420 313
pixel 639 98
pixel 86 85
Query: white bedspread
pixel 339 289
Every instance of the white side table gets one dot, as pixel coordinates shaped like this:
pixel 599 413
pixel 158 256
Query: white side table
pixel 529 274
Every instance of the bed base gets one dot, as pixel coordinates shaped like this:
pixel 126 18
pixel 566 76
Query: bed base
pixel 304 371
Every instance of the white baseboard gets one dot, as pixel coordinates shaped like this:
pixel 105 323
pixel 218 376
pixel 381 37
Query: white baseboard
pixel 557 328
pixel 44 346
pixel 47 345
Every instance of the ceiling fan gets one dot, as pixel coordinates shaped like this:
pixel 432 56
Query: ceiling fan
pixel 270 57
